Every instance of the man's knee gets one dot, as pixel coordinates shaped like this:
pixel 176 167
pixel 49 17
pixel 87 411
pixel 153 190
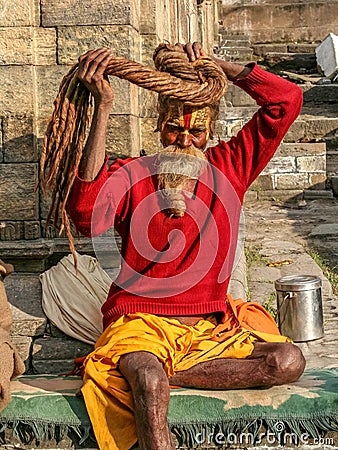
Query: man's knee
pixel 288 362
pixel 145 375
pixel 151 383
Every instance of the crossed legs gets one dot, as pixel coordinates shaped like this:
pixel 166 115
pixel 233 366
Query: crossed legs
pixel 270 364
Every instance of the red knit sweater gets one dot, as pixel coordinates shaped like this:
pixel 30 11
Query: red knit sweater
pixel 181 266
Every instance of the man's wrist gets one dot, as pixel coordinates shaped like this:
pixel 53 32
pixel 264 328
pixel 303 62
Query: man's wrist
pixel 233 71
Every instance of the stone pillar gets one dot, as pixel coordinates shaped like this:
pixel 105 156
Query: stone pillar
pixel 208 12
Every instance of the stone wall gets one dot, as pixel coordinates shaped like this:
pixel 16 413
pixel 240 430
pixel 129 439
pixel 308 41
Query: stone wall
pixel 266 21
pixel 282 37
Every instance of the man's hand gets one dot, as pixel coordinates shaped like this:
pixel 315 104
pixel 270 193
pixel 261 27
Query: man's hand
pixel 92 67
pixel 194 51
pixel 232 70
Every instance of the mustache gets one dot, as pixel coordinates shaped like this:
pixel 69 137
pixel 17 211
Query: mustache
pixel 189 161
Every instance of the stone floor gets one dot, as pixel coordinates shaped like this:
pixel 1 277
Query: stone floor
pixel 277 233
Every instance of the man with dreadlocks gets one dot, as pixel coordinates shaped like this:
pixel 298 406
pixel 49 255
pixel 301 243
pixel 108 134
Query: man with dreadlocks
pixel 168 320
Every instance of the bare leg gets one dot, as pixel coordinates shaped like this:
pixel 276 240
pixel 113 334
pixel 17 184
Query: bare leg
pixel 150 387
pixel 270 364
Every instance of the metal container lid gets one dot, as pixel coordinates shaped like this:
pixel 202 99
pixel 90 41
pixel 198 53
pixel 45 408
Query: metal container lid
pixel 298 283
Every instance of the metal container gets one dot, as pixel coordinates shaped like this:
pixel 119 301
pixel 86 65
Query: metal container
pixel 300 310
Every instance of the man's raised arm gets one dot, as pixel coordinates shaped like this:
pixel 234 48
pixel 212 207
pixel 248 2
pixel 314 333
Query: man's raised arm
pixel 92 66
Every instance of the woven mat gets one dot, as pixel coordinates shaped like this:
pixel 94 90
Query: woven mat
pixel 48 407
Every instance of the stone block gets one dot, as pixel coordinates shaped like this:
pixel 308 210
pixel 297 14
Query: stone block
pixel 263 183
pixel 54 366
pixel 45 202
pixel 250 196
pixel 16 94
pixel 32 230
pixel 318 94
pixel 44 46
pixel 26 325
pixel 280 164
pixel 320 127
pixel 237 97
pixel 296 132
pixel 40 130
pixel 17 45
pixel 239 54
pixel 263 49
pixel 281 195
pixel 334 181
pixel 292 181
pixel 263 274
pixel 302 48
pixel 301 149
pixel 19 140
pixel 148 17
pixel 24 293
pixel 23 346
pixel 11 231
pixel 16 13
pixel 317 181
pixel 148 44
pixel 313 195
pixel 18 199
pixel 311 163
pixel 262 290
pixel 85 12
pixel 74 41
pixel 126 97
pixel 57 355
pixel 27 258
pixel 227 112
pixel 291 61
pixel 150 141
pixel 327 55
pixel 123 135
pixel 148 104
pixel 51 348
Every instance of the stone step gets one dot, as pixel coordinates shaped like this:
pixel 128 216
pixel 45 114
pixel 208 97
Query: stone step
pixel 314 124
pixel 231 41
pixel 284 48
pixel 322 93
pixel 41 254
pixel 234 36
pixel 302 48
pixel 264 49
pixel 332 162
pixel 236 53
pixel 305 62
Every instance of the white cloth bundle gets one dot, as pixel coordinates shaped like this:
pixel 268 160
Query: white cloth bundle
pixel 72 299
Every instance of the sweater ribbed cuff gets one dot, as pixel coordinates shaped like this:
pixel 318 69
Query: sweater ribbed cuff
pixel 256 77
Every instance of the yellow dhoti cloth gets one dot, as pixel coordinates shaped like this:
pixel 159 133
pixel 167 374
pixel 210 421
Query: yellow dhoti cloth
pixel 107 394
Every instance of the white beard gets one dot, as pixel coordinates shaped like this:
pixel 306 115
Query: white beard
pixel 178 170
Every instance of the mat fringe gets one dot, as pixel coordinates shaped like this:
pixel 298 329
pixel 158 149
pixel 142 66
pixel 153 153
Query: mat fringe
pixel 281 431
pixel 28 430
